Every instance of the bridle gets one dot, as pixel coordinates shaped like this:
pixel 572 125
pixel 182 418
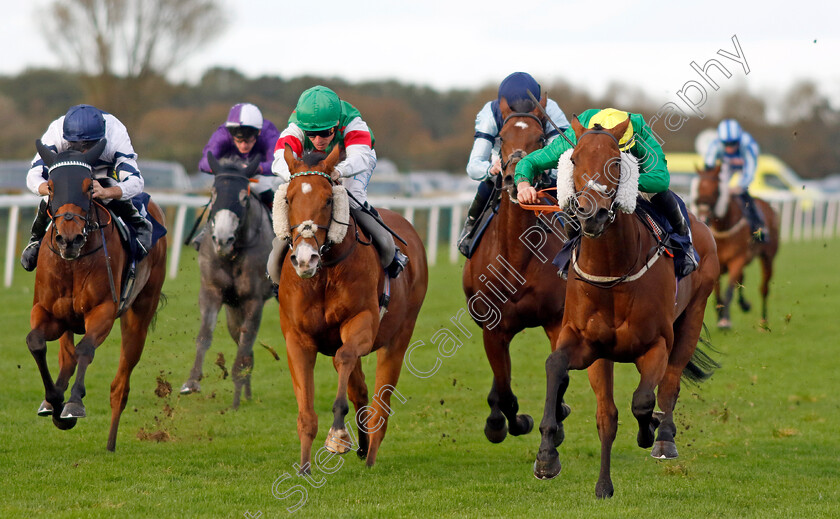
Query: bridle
pixel 309 229
pixel 88 223
pixel 592 185
pixel 243 224
pixel 519 154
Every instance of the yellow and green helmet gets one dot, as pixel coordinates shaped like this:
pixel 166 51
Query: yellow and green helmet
pixel 318 109
pixel 610 118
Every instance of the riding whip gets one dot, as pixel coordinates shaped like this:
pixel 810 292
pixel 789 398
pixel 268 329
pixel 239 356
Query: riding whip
pixel 376 217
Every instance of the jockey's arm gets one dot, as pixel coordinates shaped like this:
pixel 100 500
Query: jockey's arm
pixel 653 168
pixel 293 136
pixel 480 165
pixel 534 163
pixel 750 156
pixel 358 146
pixel 220 144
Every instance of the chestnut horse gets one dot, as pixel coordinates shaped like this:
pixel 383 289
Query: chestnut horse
pixel 736 247
pixel 515 257
pixel 330 286
pixel 623 305
pixel 74 293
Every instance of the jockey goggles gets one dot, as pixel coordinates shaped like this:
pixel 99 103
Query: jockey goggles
pixel 320 133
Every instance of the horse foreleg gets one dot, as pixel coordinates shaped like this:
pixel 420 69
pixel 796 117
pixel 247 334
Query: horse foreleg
pixel 44 329
pixel 358 393
pixel 651 366
pixel 601 378
pixel 301 353
pixel 766 274
pixel 547 465
pixel 389 361
pixel 357 340
pixel 209 304
pixel 98 323
pixel 249 318
pixel 736 277
pixel 503 403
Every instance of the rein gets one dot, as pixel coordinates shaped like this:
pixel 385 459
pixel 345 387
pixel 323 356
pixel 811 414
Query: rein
pixel 88 226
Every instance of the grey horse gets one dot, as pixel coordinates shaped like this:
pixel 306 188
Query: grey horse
pixel 232 258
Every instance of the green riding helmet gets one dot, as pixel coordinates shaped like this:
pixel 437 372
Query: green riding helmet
pixel 318 109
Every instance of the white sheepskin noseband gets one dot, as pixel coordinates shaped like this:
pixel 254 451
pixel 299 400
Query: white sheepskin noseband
pixel 628 185
pixel 338 224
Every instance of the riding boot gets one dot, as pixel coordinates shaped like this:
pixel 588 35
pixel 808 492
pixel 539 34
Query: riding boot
pixel 753 217
pixel 131 216
pixel 279 248
pixel 474 212
pixel 29 256
pixel 393 261
pixel 666 202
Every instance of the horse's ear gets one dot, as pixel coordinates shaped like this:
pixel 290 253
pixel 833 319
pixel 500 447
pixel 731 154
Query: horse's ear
pixel 253 166
pixel 577 127
pixel 332 159
pixel 289 155
pixel 504 107
pixel 47 155
pixel 93 154
pixel 619 129
pixel 215 167
pixel 544 100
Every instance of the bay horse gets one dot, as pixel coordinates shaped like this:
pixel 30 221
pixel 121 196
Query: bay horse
pixel 77 289
pixel 329 291
pixel 506 258
pixel 623 305
pixel 736 247
pixel 232 258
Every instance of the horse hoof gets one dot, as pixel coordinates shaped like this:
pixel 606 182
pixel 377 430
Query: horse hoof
pixel 547 469
pixel 663 450
pixel 745 306
pixel 524 425
pixel 190 387
pixel 724 324
pixel 64 424
pixel 495 435
pixel 604 490
pixel 73 410
pixel 46 409
pixel 338 441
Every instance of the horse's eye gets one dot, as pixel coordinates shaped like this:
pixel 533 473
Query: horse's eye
pixel 572 160
pixel 329 201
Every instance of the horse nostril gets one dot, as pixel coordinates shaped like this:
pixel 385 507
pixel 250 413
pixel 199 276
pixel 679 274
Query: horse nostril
pixel 59 239
pixel 293 259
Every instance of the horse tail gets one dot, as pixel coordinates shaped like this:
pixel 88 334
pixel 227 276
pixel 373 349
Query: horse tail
pixel 161 305
pixel 701 366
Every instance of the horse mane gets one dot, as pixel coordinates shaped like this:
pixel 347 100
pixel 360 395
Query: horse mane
pixel 523 105
pixel 313 157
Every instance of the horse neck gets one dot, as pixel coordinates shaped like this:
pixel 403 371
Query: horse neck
pixel 730 218
pixel 618 250
pixel 512 222
pixel 254 223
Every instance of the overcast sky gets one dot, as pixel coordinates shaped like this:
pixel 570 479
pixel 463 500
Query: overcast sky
pixel 457 43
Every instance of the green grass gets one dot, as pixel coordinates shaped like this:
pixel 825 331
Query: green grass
pixel 757 440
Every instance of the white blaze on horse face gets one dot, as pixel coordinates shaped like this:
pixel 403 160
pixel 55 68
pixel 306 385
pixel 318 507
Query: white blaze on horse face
pixel 596 186
pixel 521 124
pixel 225 224
pixel 306 188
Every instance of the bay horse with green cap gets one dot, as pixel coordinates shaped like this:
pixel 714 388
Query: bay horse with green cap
pixel 623 303
pixel 330 303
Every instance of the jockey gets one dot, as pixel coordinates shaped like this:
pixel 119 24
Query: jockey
pixel 640 142
pixel 116 170
pixel 738 151
pixel 484 162
pixel 320 122
pixel 245 134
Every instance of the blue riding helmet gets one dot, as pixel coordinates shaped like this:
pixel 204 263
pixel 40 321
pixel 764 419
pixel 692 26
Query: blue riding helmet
pixel 84 123
pixel 729 131
pixel 516 86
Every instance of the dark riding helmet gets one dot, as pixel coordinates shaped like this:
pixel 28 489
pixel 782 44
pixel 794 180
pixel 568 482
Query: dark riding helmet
pixel 83 123
pixel 515 88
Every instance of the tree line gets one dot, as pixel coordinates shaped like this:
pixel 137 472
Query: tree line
pixel 417 127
